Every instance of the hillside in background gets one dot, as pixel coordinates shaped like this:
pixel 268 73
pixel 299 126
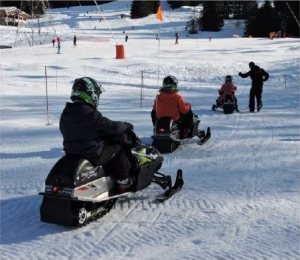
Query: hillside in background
pixel 240 200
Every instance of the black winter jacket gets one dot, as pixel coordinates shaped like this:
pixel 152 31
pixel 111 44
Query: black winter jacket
pixel 85 130
pixel 257 75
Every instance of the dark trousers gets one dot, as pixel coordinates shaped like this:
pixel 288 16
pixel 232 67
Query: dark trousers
pixel 255 93
pixel 115 160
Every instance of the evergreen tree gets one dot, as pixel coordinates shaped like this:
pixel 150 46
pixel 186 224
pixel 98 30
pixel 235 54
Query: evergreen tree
pixel 192 25
pixel 287 22
pixel 178 4
pixel 140 9
pixel 211 18
pixel 251 22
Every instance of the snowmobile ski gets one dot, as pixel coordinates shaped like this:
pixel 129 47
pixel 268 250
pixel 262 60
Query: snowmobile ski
pixel 206 137
pixel 174 189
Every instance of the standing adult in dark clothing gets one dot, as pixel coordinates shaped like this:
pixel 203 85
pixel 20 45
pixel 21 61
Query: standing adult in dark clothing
pixel 258 76
pixel 88 134
pixel 74 40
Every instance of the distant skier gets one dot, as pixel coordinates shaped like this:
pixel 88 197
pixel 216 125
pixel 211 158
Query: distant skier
pixel 74 40
pixel 53 43
pixel 58 48
pixel 126 38
pixel 258 76
pixel 176 38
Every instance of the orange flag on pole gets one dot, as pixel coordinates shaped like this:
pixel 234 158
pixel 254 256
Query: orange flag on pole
pixel 159 14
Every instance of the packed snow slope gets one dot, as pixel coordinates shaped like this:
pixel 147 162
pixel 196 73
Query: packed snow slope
pixel 241 194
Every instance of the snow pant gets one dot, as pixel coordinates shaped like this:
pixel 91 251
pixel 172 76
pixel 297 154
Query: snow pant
pixel 255 92
pixel 115 160
pixel 187 120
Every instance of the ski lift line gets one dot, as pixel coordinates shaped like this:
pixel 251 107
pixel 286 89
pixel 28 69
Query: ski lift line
pixel 106 22
pixel 293 14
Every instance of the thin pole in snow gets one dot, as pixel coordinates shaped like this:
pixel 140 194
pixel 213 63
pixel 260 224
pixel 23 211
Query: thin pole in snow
pixel 105 21
pixel 158 52
pixel 47 106
pixel 293 14
pixel 56 78
pixel 142 85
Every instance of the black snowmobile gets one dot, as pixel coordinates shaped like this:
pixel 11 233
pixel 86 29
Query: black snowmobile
pixel 228 106
pixel 166 137
pixel 76 192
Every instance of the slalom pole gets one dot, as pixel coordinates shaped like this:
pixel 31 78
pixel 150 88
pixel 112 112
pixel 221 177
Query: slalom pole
pixel 158 54
pixel 47 106
pixel 142 84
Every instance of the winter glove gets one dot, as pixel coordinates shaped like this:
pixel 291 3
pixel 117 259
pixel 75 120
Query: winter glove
pixel 240 74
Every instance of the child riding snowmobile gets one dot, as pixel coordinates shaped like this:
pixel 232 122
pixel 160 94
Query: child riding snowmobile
pixel 84 184
pixel 173 119
pixel 227 100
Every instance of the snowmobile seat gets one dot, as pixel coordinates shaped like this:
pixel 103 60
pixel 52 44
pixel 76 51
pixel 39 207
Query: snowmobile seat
pixel 73 171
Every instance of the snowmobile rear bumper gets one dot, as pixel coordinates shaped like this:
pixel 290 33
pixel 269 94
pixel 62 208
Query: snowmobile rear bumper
pixel 165 144
pixel 56 210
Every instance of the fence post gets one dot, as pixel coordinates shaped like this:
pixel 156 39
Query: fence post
pixel 47 107
pixel 142 85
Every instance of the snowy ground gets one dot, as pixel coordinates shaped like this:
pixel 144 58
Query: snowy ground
pixel 241 193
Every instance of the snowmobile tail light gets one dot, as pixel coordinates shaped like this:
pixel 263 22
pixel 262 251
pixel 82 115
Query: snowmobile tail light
pixel 161 129
pixel 55 189
pixel 83 188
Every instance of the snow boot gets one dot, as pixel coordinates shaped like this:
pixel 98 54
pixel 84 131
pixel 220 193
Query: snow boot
pixel 125 185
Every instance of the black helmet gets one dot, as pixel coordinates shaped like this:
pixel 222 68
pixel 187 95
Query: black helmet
pixel 170 83
pixel 228 78
pixel 88 90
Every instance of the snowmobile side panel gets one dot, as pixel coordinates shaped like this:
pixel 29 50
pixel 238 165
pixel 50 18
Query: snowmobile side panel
pixel 145 176
pixel 62 173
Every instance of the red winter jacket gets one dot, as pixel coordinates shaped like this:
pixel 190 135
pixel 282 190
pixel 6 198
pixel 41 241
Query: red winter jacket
pixel 227 89
pixel 170 105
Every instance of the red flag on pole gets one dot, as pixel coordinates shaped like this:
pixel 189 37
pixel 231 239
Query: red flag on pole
pixel 159 13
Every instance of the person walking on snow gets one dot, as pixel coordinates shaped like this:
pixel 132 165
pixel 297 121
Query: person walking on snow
pixel 258 76
pixel 74 40
pixel 58 48
pixel 176 38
